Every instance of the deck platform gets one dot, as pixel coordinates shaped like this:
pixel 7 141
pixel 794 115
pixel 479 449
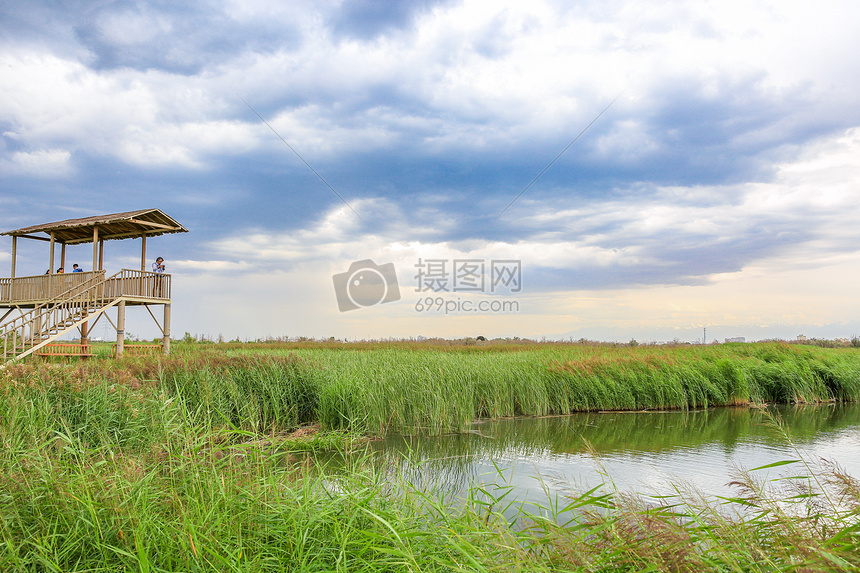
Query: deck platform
pixel 36 311
pixel 136 287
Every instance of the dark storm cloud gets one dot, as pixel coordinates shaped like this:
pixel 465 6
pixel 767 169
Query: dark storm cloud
pixel 698 141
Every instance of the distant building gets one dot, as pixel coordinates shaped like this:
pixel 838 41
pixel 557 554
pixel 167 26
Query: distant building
pixel 736 339
pixel 801 337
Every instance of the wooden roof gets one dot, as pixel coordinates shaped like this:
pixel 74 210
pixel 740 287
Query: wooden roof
pixel 132 224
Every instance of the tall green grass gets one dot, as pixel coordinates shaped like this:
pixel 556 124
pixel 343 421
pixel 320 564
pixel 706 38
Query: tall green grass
pixel 158 491
pixel 188 464
pixel 431 391
pixel 382 389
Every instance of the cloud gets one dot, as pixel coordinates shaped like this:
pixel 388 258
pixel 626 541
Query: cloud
pixel 115 115
pixel 733 143
pixel 702 103
pixel 672 235
pixel 366 19
pixel 44 163
pixel 177 38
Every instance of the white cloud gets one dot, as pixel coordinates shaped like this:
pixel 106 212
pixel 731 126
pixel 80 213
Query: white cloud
pixel 783 286
pixel 487 80
pixel 185 144
pixel 130 27
pixel 144 119
pixel 44 163
pixel 603 233
pixel 814 196
pixel 554 67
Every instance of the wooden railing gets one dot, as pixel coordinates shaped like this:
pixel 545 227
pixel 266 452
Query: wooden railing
pixel 66 350
pixel 53 316
pixel 42 288
pixel 140 284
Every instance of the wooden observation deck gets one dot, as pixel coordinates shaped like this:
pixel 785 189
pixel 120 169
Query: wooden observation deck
pixel 53 304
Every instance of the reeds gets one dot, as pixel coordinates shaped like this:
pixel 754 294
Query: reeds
pixel 196 500
pixel 187 464
pixel 411 389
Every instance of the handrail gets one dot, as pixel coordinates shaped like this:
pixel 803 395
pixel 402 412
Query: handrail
pixel 58 299
pixel 72 307
pixel 144 284
pixel 80 321
pixel 15 285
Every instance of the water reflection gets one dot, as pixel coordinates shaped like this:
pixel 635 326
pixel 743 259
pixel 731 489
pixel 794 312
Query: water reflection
pixel 642 452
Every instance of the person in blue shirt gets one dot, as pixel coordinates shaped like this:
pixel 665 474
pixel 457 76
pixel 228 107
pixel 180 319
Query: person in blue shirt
pixel 76 268
pixel 158 267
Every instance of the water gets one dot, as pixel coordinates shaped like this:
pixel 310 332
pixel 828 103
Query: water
pixel 648 453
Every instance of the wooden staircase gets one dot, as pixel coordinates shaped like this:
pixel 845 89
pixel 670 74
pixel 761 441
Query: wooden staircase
pixel 48 321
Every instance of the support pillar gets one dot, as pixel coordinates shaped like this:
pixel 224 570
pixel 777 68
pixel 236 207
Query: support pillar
pixel 120 328
pixel 165 342
pixel 63 256
pixel 51 263
pixel 95 248
pixel 101 254
pixel 143 252
pixel 14 253
pixel 85 327
pixel 36 330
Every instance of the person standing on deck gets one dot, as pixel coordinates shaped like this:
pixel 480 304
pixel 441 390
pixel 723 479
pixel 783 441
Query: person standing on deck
pixel 158 267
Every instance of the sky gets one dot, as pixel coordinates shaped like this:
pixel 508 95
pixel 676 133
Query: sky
pixel 609 170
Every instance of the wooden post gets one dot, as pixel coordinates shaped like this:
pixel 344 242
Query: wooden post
pixel 120 328
pixel 101 254
pixel 165 342
pixel 84 332
pixel 14 253
pixel 95 248
pixel 143 252
pixel 51 264
pixel 35 328
pixel 63 256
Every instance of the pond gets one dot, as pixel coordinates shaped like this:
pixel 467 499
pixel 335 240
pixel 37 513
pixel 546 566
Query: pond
pixel 639 452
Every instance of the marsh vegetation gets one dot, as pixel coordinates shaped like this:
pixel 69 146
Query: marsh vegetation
pixel 213 459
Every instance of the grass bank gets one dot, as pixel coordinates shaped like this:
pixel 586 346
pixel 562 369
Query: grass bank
pixel 193 463
pixel 377 389
pixel 162 492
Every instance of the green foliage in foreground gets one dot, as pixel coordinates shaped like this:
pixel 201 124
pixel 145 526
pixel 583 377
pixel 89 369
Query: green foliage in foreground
pixel 151 489
pixel 382 388
pixel 188 464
